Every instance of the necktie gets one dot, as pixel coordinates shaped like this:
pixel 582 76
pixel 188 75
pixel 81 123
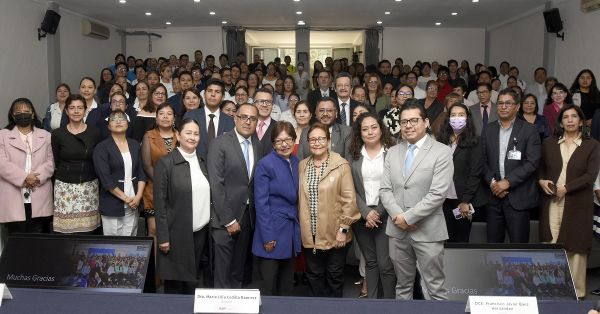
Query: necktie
pixel 247 155
pixel 485 115
pixel 211 128
pixel 410 157
pixel 343 114
pixel 261 130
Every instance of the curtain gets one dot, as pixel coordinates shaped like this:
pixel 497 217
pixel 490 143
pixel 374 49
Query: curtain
pixel 371 46
pixel 235 39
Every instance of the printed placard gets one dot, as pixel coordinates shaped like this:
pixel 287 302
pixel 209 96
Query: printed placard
pixel 501 305
pixel 226 301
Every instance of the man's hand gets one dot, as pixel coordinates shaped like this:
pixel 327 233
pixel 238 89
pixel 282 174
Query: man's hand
pixel 233 229
pixel 400 222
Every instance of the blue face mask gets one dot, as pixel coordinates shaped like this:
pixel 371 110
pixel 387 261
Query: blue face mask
pixel 458 123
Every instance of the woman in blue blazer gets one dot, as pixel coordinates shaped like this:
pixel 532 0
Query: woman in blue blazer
pixel 118 164
pixel 277 232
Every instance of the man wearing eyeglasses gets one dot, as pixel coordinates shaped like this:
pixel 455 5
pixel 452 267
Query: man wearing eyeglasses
pixel 412 80
pixel 341 135
pixel 263 100
pixel 511 157
pixel 417 174
pixel 485 111
pixel 345 105
pixel 212 122
pixel 231 162
pixel 99 116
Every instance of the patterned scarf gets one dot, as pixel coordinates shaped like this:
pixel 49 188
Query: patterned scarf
pixel 312 180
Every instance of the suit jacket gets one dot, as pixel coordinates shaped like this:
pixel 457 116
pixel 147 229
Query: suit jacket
pixel 523 191
pixel 359 186
pixel 582 169
pixel 419 195
pixel 468 167
pixel 175 102
pixel 174 215
pixel 314 96
pixel 199 115
pixel 265 142
pixel 276 201
pixel 349 109
pixel 110 169
pixel 231 187
pixel 341 137
pixel 13 154
pixel 478 120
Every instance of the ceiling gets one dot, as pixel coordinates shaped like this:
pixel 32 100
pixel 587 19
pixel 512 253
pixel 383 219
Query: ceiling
pixel 316 13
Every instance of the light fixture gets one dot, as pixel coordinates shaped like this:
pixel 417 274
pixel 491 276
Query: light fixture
pixel 168 23
pixel 122 1
pixel 296 0
pixel 301 22
pixel 398 0
pixel 438 23
pixel 223 22
pixel 475 1
pixel 148 13
pixel 196 1
pixel 379 22
pixel 298 12
pixel 387 12
pixel 454 13
pixel 212 13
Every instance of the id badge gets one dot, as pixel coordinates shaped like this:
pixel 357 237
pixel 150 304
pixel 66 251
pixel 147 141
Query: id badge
pixel 514 154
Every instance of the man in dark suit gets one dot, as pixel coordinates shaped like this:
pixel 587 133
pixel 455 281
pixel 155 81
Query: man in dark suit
pixel 263 100
pixel 185 81
pixel 324 81
pixel 483 112
pixel 511 156
pixel 345 105
pixel 212 122
pixel 231 161
pixel 341 135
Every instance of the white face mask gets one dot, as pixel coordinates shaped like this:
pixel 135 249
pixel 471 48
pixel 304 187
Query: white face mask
pixel 458 123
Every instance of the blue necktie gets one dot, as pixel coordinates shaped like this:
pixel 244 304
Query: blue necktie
pixel 247 155
pixel 410 157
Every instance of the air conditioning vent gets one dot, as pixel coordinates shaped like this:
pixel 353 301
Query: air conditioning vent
pixel 590 5
pixel 95 30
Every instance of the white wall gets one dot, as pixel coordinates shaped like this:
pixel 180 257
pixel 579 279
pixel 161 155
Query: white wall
pixel 176 41
pixel 581 45
pixel 434 44
pixel 23 60
pixel 83 55
pixel 521 43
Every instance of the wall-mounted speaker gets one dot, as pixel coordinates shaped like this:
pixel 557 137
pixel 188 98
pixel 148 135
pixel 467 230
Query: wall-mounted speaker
pixel 50 22
pixel 553 22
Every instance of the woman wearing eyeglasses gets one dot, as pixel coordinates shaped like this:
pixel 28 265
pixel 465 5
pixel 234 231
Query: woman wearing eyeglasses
pixel 326 210
pixel 118 164
pixel 277 231
pixel 146 118
pixel 376 98
pixel 391 117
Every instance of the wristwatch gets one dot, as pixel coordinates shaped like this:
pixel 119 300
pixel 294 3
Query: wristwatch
pixel 343 230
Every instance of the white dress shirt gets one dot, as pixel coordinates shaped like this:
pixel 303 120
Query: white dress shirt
pixel 372 170
pixel 419 93
pixel 347 107
pixel 215 119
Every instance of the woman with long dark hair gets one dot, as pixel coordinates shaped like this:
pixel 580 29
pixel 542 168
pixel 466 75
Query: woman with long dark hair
pixel 586 94
pixel 465 193
pixel 370 142
pixel 54 113
pixel 146 118
pixel 26 166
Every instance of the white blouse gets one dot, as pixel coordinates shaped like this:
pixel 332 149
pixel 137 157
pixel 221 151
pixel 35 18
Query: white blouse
pixel 200 192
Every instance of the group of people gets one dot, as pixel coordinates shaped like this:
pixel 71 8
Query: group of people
pixel 245 159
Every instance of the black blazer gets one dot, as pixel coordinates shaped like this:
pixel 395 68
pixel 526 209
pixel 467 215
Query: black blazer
pixel 230 185
pixel 173 207
pixel 351 105
pixel 110 168
pixel 521 174
pixel 265 142
pixel 199 115
pixel 359 187
pixel 468 167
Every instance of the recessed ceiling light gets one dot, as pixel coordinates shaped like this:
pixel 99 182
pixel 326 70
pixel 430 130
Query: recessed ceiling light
pixel 387 12
pixel 301 22
pixel 223 22
pixel 212 13
pixel 298 12
pixel 296 0
pixel 379 22
pixel 398 0
pixel 475 1
pixel 196 1
pixel 148 13
pixel 122 1
pixel 438 23
pixel 454 13
pixel 168 23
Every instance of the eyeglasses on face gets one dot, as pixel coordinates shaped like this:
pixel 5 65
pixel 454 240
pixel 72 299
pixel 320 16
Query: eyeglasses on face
pixel 288 141
pixel 246 118
pixel 263 102
pixel 413 122
pixel 505 103
pixel 314 140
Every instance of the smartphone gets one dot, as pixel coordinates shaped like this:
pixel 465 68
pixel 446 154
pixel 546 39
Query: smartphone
pixel 552 187
pixel 457 214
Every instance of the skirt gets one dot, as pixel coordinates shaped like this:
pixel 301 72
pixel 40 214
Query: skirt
pixel 76 207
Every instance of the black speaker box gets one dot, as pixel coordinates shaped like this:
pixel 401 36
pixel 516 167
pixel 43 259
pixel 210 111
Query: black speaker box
pixel 50 22
pixel 553 22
